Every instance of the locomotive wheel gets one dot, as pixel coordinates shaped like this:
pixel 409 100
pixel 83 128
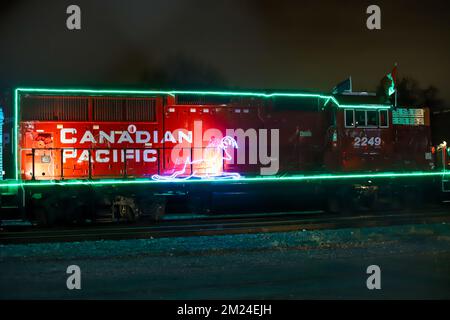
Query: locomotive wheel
pixel 126 213
pixel 124 209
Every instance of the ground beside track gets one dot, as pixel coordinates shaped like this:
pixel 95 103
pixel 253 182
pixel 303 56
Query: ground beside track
pixel 414 261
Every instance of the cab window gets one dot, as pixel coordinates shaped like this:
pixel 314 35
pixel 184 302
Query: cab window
pixel 384 119
pixel 366 118
pixel 349 118
pixel 372 118
pixel 360 118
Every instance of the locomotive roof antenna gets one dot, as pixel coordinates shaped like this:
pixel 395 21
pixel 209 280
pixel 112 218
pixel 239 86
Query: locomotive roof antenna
pixel 343 87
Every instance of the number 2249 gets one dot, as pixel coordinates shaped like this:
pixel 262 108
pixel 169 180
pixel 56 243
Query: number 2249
pixel 364 141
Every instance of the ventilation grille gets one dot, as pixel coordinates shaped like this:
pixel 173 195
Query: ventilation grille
pixel 71 108
pixel 105 109
pixel 48 108
pixel 140 110
pixel 124 109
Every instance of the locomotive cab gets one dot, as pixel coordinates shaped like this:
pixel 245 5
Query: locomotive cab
pixel 380 137
pixel 365 139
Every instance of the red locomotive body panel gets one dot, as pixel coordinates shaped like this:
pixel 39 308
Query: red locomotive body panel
pixel 70 137
pixel 93 137
pixel 366 140
pixel 302 139
pixel 413 145
pixel 60 151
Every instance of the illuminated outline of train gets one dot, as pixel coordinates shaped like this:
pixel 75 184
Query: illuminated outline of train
pixel 80 152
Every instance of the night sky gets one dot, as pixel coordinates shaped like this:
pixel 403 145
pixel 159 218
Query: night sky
pixel 300 45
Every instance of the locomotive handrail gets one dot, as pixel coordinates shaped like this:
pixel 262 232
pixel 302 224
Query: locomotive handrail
pixel 124 150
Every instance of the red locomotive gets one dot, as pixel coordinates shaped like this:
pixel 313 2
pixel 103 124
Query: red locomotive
pixel 94 137
pixel 138 142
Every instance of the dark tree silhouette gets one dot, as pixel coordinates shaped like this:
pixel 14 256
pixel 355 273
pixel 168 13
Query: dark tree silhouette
pixel 431 98
pixel 410 94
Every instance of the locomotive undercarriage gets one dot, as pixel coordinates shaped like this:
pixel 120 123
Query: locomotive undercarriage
pixel 61 204
pixel 394 195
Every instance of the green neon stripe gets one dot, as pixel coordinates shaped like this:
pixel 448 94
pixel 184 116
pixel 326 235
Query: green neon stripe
pixel 175 92
pixel 249 179
pixel 366 106
pixel 16 155
pixel 15 136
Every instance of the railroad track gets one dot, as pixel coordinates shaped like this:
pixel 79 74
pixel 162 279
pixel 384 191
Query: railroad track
pixel 219 226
